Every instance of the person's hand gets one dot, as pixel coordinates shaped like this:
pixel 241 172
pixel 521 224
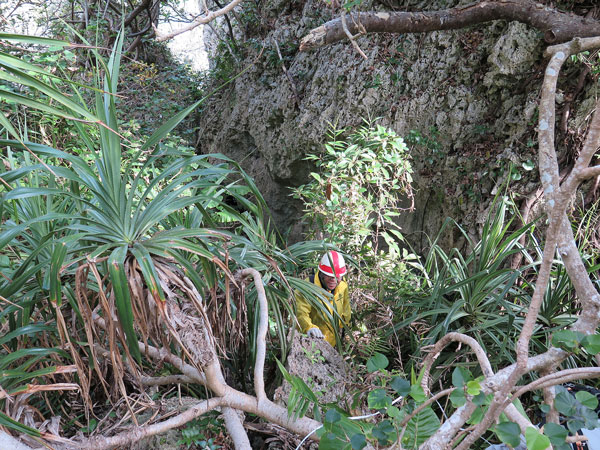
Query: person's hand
pixel 315 333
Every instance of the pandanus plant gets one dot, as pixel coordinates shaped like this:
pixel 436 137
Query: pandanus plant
pixel 111 258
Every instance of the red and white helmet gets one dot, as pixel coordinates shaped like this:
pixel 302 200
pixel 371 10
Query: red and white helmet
pixel 339 265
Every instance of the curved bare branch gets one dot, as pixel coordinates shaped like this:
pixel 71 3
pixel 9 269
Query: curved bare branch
pixel 557 26
pixel 199 21
pixel 482 358
pixel 261 337
pixel 122 440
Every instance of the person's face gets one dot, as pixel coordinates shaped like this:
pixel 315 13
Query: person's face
pixel 329 281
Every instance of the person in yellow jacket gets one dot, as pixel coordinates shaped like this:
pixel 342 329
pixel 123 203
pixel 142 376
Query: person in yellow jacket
pixel 329 277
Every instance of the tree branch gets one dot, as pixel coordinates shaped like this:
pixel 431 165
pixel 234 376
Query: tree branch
pixel 482 358
pixel 589 172
pixel 449 428
pixel 236 429
pixel 558 233
pixel 213 379
pixel 563 376
pixel 138 9
pixel 122 440
pixel 557 26
pixel 199 21
pixel 261 336
pixel 169 379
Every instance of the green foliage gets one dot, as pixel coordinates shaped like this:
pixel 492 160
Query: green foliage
pixel 579 410
pixel 377 362
pixel 476 294
pixel 359 185
pixel 197 431
pixel 591 60
pixel 482 296
pixel 508 432
pixel 567 340
pixel 301 396
pixel 340 431
pixel 420 428
pixel 429 144
pixel 535 440
pixel 400 385
pixel 128 207
pixel 557 435
pixel 313 354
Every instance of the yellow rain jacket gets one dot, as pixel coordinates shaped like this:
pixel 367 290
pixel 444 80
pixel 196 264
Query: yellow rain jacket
pixel 310 317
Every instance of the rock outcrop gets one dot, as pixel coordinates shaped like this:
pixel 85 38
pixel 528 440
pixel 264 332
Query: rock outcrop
pixel 465 100
pixel 319 365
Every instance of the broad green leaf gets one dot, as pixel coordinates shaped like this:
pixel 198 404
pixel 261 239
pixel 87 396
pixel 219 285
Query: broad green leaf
pixel 420 428
pixel 476 416
pixel 480 399
pixel 358 441
pixel 528 165
pixel 378 399
pixel 460 376
pixel 473 387
pixel 586 399
pixel 591 344
pixel 457 397
pixel 400 385
pixel 509 433
pixel 384 431
pixel 564 402
pixel 377 362
pixel 567 340
pixel 575 425
pixel 330 441
pixel 535 440
pixel 417 393
pixel 556 433
pixel 332 416
pixel 393 412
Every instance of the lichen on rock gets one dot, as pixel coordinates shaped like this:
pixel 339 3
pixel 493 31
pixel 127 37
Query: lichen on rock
pixel 319 365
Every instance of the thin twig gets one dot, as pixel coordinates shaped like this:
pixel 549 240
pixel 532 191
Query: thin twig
pixel 351 37
pixel 287 74
pixel 199 21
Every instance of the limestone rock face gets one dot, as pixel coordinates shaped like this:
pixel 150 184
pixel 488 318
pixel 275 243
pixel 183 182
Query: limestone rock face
pixel 470 96
pixel 319 365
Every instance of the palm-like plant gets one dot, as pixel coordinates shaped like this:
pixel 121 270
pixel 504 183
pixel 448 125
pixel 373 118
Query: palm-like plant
pixel 136 240
pixel 478 294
